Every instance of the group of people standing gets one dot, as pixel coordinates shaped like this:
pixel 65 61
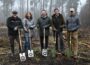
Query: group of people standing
pixel 72 24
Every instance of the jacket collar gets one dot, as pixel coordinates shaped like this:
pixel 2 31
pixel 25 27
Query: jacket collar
pixel 72 15
pixel 55 15
pixel 44 17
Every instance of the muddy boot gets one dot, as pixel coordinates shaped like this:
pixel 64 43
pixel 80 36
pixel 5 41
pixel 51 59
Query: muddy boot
pixel 58 56
pixel 75 58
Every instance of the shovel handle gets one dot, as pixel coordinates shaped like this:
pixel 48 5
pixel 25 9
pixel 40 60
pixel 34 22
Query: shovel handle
pixel 70 43
pixel 59 42
pixel 30 40
pixel 70 40
pixel 20 41
pixel 44 37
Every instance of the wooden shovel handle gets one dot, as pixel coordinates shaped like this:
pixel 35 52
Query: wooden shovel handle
pixel 20 40
pixel 30 40
pixel 44 36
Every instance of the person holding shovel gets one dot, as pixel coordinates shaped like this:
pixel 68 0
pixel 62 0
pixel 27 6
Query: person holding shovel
pixel 73 25
pixel 58 25
pixel 28 25
pixel 13 24
pixel 43 25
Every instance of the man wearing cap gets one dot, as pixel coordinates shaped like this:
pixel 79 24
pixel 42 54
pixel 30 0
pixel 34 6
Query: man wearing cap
pixel 73 25
pixel 13 24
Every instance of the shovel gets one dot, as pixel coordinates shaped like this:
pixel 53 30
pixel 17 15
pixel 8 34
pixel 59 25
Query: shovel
pixel 59 43
pixel 21 55
pixel 70 45
pixel 44 51
pixel 30 52
pixel 68 50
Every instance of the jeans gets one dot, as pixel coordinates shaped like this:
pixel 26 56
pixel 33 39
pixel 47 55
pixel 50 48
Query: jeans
pixel 27 41
pixel 59 42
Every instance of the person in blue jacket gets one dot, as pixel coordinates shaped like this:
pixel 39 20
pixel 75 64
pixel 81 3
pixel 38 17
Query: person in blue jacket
pixel 73 25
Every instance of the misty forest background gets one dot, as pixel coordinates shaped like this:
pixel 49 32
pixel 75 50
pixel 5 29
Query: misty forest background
pixel 35 6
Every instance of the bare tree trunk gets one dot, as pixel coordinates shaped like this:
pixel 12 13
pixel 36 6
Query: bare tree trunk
pixel 50 7
pixel 27 5
pixel 4 7
pixel 42 7
pixel 21 9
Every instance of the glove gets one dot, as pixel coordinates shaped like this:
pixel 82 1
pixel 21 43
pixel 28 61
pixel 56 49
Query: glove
pixel 25 29
pixel 45 26
pixel 16 28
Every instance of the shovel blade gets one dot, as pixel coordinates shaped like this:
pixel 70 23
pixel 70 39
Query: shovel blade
pixel 30 53
pixel 44 52
pixel 22 56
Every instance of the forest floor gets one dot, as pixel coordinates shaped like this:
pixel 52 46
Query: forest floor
pixel 51 59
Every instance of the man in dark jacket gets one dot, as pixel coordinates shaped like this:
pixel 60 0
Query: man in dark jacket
pixel 58 24
pixel 44 23
pixel 13 24
pixel 73 25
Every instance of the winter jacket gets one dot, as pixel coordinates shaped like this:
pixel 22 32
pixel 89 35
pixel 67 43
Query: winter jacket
pixel 58 22
pixel 12 23
pixel 29 24
pixel 73 23
pixel 43 23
